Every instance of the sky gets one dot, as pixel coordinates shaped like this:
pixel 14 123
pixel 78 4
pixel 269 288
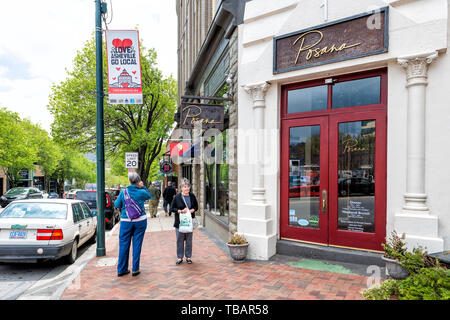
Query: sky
pixel 40 39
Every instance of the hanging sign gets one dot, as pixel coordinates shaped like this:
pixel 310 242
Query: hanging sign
pixel 206 115
pixel 165 167
pixel 124 67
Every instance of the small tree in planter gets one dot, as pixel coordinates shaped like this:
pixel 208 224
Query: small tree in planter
pixel 238 247
pixel 394 253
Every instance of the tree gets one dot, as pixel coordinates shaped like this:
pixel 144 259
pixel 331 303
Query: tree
pixel 17 151
pixel 128 128
pixel 74 165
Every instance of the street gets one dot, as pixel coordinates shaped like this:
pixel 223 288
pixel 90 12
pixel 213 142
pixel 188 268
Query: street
pixel 30 281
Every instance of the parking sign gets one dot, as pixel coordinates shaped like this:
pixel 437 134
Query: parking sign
pixel 131 160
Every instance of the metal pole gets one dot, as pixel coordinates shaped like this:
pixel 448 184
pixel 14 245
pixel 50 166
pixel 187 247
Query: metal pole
pixel 101 251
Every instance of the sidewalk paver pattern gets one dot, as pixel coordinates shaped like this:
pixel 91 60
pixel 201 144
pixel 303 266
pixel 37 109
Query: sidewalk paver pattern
pixel 212 276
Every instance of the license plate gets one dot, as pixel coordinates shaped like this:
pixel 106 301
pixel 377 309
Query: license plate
pixel 18 235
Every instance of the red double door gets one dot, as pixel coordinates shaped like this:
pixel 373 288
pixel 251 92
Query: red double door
pixel 333 163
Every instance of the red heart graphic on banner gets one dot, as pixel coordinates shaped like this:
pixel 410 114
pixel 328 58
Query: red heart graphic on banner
pixel 117 69
pixel 127 43
pixel 134 72
pixel 135 77
pixel 125 85
pixel 117 43
pixel 114 78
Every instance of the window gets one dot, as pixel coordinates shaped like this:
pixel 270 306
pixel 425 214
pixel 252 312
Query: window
pixel 77 212
pixel 339 93
pixel 356 92
pixel 217 178
pixel 307 99
pixel 187 172
pixel 86 211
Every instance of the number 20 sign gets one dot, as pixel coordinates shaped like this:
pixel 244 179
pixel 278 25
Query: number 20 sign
pixel 131 160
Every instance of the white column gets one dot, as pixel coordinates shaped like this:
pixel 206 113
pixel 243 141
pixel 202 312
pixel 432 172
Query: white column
pixel 258 93
pixel 255 219
pixel 415 220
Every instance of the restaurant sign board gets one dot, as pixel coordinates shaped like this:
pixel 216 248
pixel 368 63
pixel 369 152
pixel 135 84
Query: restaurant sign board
pixel 357 36
pixel 206 116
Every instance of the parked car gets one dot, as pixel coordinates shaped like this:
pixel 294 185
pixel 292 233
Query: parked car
pixel 115 192
pixel 71 194
pixel 20 193
pixel 47 229
pixel 53 195
pixel 355 186
pixel 112 214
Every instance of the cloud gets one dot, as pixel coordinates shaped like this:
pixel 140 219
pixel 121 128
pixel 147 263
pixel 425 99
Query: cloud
pixel 39 44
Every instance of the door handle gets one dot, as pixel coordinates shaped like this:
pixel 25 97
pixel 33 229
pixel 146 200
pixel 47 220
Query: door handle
pixel 324 201
pixel 79 226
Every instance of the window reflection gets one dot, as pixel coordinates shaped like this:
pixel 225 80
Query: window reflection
pixel 356 184
pixel 356 92
pixel 217 181
pixel 304 176
pixel 307 99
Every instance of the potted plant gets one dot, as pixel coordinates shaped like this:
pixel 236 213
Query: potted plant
pixel 394 254
pixel 238 247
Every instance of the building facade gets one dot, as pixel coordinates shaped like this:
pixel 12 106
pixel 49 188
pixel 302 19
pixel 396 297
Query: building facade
pixel 334 135
pixel 352 98
pixel 207 67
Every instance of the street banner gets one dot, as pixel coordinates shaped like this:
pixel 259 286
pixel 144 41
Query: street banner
pixel 124 67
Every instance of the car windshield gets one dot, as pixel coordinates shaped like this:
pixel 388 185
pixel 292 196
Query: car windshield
pixel 35 210
pixel 16 191
pixel 86 196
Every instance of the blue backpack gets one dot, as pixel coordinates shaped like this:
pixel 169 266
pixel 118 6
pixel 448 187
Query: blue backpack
pixel 132 208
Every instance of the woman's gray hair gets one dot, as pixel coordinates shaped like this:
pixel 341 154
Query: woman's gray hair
pixel 134 178
pixel 184 182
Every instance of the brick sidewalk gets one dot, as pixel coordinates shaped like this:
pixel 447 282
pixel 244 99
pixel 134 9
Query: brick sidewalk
pixel 212 276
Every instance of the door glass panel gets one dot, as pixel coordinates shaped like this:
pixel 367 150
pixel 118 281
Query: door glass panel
pixel 356 172
pixel 356 92
pixel 307 99
pixel 304 176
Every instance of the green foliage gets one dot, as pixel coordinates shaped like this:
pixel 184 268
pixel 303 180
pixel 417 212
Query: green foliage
pixel 427 284
pixel 17 150
pixel 394 247
pixel 383 292
pixel 128 128
pixel 428 280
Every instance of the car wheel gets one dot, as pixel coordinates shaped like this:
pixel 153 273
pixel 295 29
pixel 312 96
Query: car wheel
pixel 73 253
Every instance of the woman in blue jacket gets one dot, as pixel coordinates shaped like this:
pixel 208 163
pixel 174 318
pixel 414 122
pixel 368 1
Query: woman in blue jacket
pixel 131 230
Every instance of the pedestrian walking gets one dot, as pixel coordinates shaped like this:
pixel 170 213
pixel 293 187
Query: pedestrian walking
pixel 131 230
pixel 168 194
pixel 153 204
pixel 185 201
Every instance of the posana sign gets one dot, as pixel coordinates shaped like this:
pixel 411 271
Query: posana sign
pixel 354 37
pixel 124 66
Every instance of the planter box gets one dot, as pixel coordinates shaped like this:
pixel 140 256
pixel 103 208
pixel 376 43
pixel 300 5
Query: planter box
pixel 395 270
pixel 238 252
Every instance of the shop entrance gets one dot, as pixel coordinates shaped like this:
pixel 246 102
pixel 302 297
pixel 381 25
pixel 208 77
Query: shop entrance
pixel 333 161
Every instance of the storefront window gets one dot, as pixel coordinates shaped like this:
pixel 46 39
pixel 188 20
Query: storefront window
pixel 217 180
pixel 304 176
pixel 356 183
